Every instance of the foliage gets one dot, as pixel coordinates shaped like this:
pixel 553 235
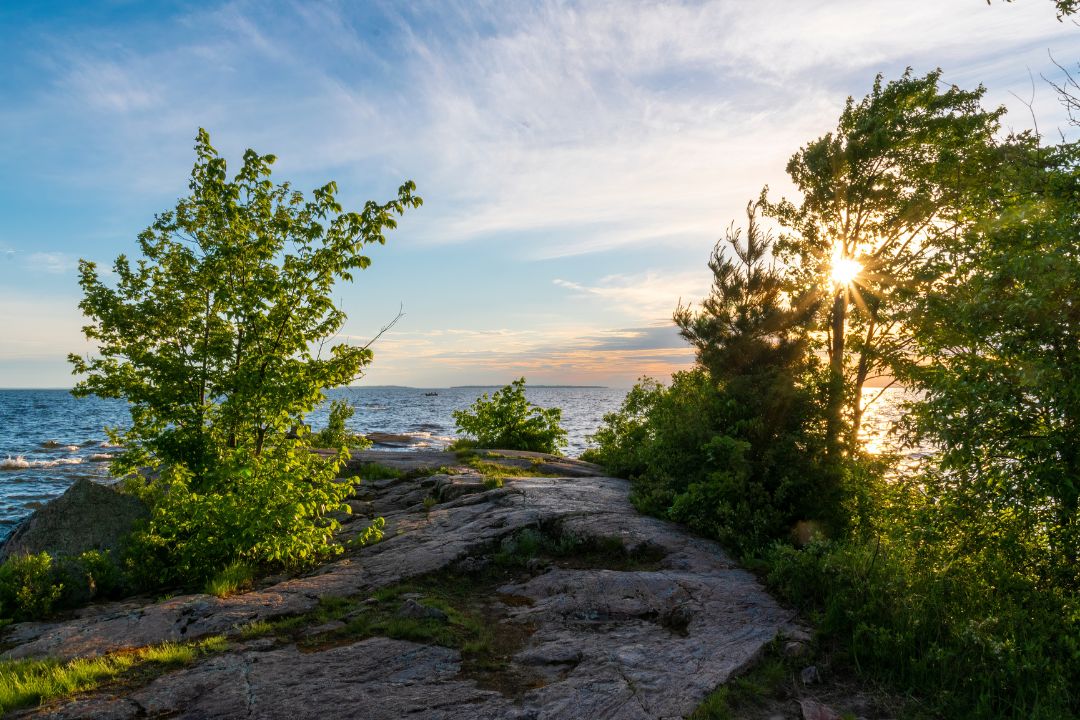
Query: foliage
pixel 969 631
pixel 29 588
pixel 34 586
pixel 1064 7
pixel 734 449
pixel 901 170
pixel 508 421
pixel 216 337
pixel 265 510
pixel 1001 386
pixel 335 435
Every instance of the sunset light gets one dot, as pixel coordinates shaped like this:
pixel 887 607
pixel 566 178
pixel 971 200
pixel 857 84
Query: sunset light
pixel 844 271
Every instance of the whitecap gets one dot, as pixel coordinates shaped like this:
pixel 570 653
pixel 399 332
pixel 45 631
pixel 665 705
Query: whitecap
pixel 20 463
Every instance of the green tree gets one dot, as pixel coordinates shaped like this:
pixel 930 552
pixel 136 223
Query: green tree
pixel 217 338
pixel 1001 382
pixel 735 447
pixel 900 172
pixel 508 421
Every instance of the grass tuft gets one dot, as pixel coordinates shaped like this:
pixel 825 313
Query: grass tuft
pixel 24 683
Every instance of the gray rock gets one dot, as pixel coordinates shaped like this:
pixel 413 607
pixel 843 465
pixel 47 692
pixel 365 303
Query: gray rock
pixel 413 609
pixel 810 675
pixel 88 516
pixel 607 644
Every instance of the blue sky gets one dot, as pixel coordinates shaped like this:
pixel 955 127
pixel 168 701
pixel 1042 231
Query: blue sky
pixel 577 160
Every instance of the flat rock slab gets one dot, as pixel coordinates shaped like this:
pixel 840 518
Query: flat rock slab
pixel 637 643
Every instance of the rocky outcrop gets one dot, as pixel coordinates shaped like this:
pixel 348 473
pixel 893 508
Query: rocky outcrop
pixel 88 516
pixel 647 640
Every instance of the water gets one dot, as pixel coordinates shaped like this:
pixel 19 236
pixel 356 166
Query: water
pixel 48 438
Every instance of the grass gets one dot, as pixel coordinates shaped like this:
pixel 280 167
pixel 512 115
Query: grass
pixel 230 580
pixel 24 683
pixel 767 681
pixel 371 471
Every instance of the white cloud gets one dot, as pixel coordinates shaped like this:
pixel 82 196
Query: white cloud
pixel 644 296
pixel 57 263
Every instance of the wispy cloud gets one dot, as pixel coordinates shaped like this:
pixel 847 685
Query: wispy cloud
pixel 647 296
pixel 57 263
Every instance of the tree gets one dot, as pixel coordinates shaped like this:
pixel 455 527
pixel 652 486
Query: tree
pixel 1064 7
pixel 508 421
pixel 899 172
pixel 217 338
pixel 744 326
pixel 1001 380
pixel 733 448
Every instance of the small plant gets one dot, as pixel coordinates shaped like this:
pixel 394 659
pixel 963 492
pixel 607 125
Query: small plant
pixel 372 534
pixel 429 502
pixel 507 420
pixel 335 434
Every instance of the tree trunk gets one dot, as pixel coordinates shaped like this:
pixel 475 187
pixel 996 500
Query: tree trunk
pixel 835 417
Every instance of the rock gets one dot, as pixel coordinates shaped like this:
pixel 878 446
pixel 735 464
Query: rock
pixel 88 516
pixel 412 609
pixel 601 644
pixel 810 675
pixel 794 649
pixel 393 440
pixel 326 627
pixel 474 564
pixel 813 710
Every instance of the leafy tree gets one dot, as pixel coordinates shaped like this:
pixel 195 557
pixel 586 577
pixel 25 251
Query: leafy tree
pixel 508 421
pixel 216 337
pixel 1001 383
pixel 900 172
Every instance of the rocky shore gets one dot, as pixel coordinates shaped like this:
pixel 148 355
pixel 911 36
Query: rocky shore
pixel 584 609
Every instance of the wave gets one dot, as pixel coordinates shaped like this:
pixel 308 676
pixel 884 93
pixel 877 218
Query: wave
pixel 100 457
pixel 54 445
pixel 20 463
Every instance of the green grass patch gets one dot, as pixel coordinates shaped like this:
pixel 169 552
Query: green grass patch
pixel 370 472
pixel 25 683
pixel 230 580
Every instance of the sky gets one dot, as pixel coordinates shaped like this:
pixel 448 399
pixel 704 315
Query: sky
pixel 577 161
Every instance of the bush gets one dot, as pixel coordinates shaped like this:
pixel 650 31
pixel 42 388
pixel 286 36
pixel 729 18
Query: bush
pixel 28 587
pixel 270 510
pixel 335 435
pixel 510 422
pixel 738 461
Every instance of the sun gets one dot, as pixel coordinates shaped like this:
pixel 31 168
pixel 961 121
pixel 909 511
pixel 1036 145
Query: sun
pixel 844 271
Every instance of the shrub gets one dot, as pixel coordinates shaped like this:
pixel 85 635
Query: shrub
pixel 28 587
pixel 739 461
pixel 335 435
pixel 270 510
pixel 508 421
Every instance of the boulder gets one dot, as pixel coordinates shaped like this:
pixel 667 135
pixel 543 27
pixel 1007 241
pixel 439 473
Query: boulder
pixel 88 516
